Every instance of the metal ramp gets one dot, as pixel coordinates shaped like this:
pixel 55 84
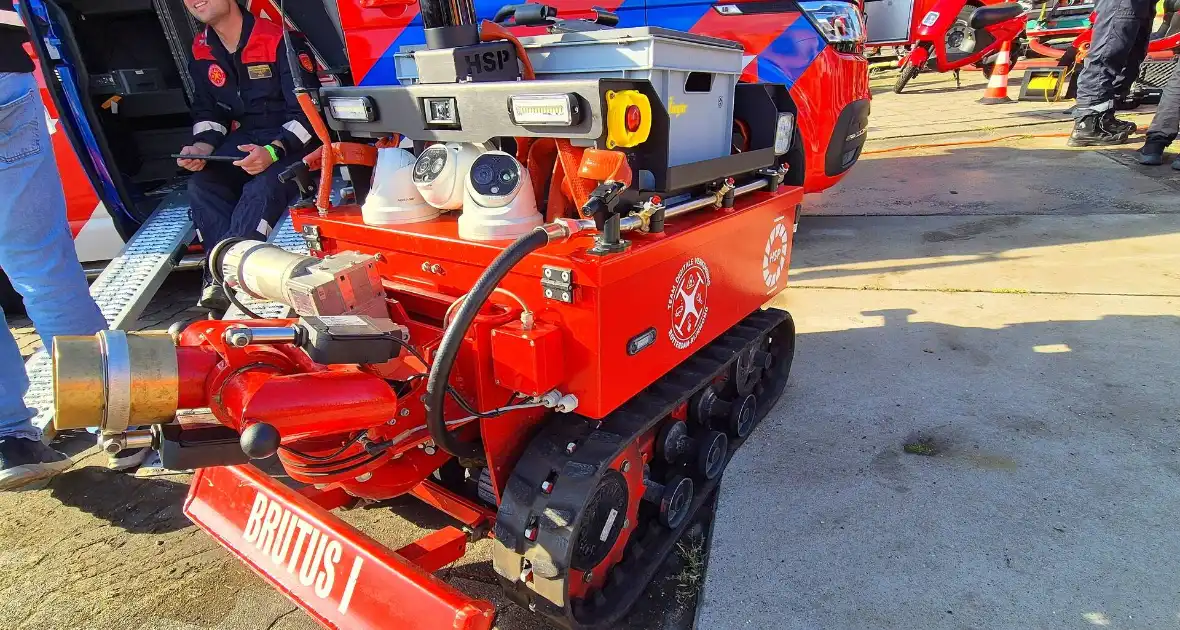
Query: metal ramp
pixel 123 290
pixel 285 236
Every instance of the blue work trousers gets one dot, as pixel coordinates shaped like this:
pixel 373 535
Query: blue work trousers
pixel 1119 45
pixel 226 201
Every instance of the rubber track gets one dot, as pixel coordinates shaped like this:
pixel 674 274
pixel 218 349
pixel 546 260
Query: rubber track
pixel 579 474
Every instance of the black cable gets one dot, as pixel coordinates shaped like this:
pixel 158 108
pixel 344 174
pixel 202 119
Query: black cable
pixel 454 393
pixel 292 64
pixel 214 262
pixel 448 349
pixel 324 458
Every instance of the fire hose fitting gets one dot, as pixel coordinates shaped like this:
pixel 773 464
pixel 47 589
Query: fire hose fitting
pixel 115 379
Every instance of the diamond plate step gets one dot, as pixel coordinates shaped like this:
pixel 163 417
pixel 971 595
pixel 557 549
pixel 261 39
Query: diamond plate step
pixel 122 291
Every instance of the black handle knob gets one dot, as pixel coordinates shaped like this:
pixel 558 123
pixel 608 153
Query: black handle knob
pixel 260 440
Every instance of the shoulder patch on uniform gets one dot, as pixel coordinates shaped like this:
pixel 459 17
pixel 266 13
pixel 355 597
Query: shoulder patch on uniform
pixel 216 75
pixel 305 61
pixel 259 72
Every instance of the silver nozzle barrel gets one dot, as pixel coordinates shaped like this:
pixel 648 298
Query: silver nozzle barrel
pixel 242 336
pixel 260 269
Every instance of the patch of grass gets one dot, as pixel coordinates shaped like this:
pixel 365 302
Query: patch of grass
pixel 924 446
pixel 691 577
pixel 1017 291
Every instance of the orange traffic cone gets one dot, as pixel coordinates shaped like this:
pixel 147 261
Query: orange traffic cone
pixel 997 86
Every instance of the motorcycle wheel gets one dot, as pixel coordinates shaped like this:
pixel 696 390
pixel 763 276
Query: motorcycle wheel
pixel 908 71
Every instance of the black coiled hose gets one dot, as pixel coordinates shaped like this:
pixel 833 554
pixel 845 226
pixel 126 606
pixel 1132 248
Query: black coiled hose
pixel 448 348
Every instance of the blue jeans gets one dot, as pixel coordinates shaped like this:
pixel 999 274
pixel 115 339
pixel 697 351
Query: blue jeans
pixel 36 249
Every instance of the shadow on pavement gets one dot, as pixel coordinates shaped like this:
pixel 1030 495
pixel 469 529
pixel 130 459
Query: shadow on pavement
pixel 139 506
pixel 1052 461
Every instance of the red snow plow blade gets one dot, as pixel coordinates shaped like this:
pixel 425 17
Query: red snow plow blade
pixel 341 577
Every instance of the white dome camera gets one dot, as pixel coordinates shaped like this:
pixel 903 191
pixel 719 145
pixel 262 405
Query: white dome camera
pixel 393 198
pixel 441 171
pixel 499 203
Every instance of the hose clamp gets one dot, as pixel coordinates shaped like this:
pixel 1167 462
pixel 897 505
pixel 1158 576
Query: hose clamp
pixel 117 380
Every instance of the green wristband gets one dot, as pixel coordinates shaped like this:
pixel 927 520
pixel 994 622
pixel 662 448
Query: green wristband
pixel 274 154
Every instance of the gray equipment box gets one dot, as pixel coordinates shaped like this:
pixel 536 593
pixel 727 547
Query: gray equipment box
pixel 693 75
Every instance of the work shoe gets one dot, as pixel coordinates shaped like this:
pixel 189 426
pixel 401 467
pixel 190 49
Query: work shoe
pixel 1152 154
pixel 213 298
pixel 1093 130
pixel 23 461
pixel 1118 124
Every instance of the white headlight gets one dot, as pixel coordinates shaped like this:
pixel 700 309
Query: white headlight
pixel 783 132
pixel 358 108
pixel 544 109
pixel 836 21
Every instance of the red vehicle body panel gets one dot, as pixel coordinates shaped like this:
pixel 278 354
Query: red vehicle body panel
pixel 781 47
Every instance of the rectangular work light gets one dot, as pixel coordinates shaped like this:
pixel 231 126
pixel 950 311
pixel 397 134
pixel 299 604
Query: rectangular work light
pixel 352 108
pixel 544 109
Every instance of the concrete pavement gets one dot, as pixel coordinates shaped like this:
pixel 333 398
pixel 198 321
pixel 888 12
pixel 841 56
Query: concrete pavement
pixel 931 105
pixel 1031 356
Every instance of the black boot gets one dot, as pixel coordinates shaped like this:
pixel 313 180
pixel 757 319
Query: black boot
pixel 213 298
pixel 1152 153
pixel 1118 124
pixel 1093 130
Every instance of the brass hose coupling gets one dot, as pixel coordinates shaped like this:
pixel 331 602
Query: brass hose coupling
pixel 114 380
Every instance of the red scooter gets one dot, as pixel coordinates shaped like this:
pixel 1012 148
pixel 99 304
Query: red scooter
pixel 959 35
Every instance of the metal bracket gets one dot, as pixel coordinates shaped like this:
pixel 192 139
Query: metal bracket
pixel 311 236
pixel 558 283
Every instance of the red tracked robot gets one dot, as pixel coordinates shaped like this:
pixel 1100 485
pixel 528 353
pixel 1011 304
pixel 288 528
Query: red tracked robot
pixel 545 319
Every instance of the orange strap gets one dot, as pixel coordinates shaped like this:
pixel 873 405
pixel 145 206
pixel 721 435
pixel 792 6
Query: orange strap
pixel 327 163
pixel 489 31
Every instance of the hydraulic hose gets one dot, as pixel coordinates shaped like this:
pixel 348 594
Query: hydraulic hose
pixel 448 348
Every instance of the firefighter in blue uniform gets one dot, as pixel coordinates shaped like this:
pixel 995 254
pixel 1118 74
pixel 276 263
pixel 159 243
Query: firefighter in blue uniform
pixel 244 106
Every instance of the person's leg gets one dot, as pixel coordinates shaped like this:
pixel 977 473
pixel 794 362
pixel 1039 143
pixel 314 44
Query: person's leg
pixel 37 253
pixel 1116 31
pixel 263 201
pixel 1130 73
pixel 213 193
pixel 1165 124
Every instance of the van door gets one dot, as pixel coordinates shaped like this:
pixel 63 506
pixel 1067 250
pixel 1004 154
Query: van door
pixel 82 155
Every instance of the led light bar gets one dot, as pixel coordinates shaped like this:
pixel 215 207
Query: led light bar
pixel 352 108
pixel 544 109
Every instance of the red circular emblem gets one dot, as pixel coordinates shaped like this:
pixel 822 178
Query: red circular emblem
pixel 305 61
pixel 688 303
pixel 216 75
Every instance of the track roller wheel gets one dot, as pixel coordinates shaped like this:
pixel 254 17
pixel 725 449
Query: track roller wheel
pixel 747 371
pixel 701 406
pixel 743 415
pixel 706 450
pixel 673 499
pixel 674 442
pixel 711 452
